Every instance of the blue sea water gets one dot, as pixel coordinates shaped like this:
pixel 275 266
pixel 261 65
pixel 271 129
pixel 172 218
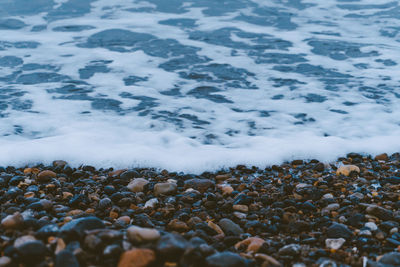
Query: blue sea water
pixel 197 85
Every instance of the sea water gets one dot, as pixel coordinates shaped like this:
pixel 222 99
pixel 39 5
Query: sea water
pixel 197 85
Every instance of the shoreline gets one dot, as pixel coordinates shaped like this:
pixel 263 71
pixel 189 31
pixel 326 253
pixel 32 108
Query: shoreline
pixel 305 212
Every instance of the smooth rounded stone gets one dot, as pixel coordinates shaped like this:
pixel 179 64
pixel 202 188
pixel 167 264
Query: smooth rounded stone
pixel 48 230
pixel 59 163
pixel 215 227
pixel 380 212
pixel 114 250
pixel 267 260
pixel 129 175
pixel 226 259
pixel 241 208
pixel 319 167
pixel 138 234
pixel 365 233
pixel 252 244
pixel 104 203
pixel 239 215
pixel 394 230
pixel 66 258
pixel 357 195
pixel 346 170
pixel 45 176
pixel 392 259
pixel 151 203
pixel 226 189
pixel 137 258
pixel 22 240
pixel 338 230
pixel 171 247
pixel 229 227
pixel 329 208
pixel 76 228
pixel 92 242
pixel 14 221
pixel 5 261
pixel 137 184
pixel 165 189
pixel 32 252
pixel 383 156
pixel 200 185
pixel 388 225
pixel 328 196
pixel 290 250
pixel 177 225
pixel 334 243
pixel 390 180
pixel 371 225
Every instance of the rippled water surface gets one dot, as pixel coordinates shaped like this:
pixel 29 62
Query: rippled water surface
pixel 195 85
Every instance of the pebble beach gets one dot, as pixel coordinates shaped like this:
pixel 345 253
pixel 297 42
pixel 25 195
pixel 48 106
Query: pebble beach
pixel 299 213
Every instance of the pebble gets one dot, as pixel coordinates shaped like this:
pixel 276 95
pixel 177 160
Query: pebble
pixel 77 227
pixel 290 250
pixel 225 259
pixel 392 258
pixel 241 208
pixel 338 230
pixel 177 225
pixel 66 258
pixel 45 176
pixel 165 189
pixel 136 234
pixel 5 261
pixel 229 227
pixel 334 243
pixel 200 185
pixel 252 244
pixel 371 225
pixel 380 212
pixel 171 246
pixel 151 203
pixel 32 252
pixel 346 170
pixel 13 221
pixel 137 258
pixel 137 185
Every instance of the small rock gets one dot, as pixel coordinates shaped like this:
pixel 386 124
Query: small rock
pixel 335 243
pixel 76 228
pixel 177 225
pixel 22 240
pixel 200 185
pixel 151 203
pixel 171 247
pixel 138 234
pixel 225 259
pixel 32 252
pixel 380 212
pixel 338 230
pixel 383 156
pixel 241 208
pixel 365 233
pixel 290 250
pixel 229 227
pixel 104 203
pixel 5 261
pixel 66 258
pixel 346 170
pixel 329 208
pixel 137 258
pixel 165 189
pixel 392 258
pixel 253 244
pixel 137 185
pixel 327 196
pixel 268 260
pixel 216 228
pixel 14 221
pixel 46 176
pixel 372 226
pixel 226 189
pixel 240 215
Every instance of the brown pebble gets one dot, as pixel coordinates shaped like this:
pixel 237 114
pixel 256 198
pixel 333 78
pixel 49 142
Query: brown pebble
pixel 177 225
pixel 253 244
pixel 346 170
pixel 45 176
pixel 383 156
pixel 137 258
pixel 13 221
pixel 67 195
pixel 125 219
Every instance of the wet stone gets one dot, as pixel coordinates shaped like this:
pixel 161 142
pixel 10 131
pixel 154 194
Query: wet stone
pixel 338 230
pixel 229 227
pixel 225 259
pixel 171 247
pixel 32 252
